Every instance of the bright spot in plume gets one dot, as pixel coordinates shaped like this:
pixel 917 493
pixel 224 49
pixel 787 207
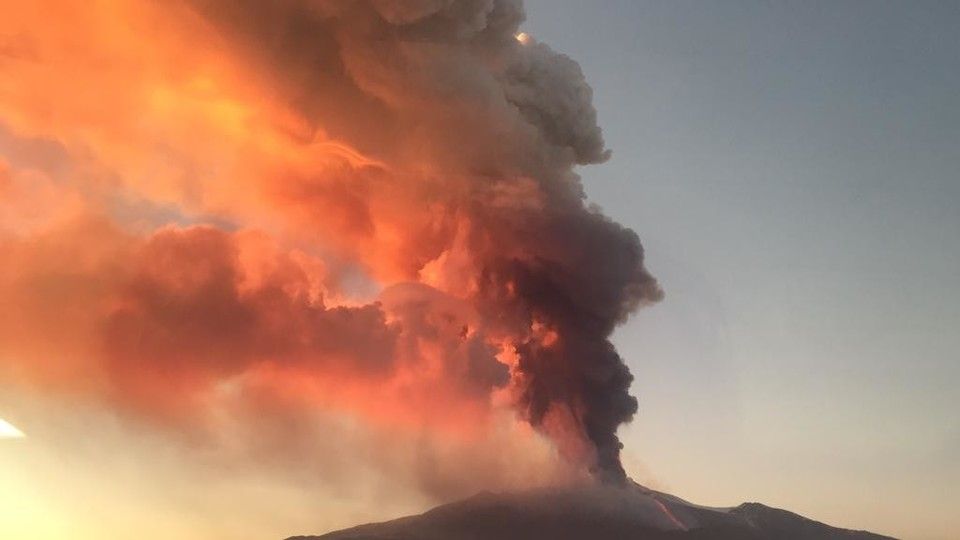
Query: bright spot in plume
pixel 9 431
pixel 523 38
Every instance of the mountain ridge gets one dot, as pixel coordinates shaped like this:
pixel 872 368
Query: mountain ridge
pixel 630 512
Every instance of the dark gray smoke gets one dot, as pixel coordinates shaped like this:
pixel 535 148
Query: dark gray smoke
pixel 484 131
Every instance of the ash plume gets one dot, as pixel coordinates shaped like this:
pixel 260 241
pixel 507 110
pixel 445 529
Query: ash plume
pixel 420 144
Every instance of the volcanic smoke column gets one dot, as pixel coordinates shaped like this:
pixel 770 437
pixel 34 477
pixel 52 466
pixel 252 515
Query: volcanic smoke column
pixel 481 130
pixel 420 143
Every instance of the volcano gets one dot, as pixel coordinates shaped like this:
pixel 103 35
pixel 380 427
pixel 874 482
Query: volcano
pixel 595 513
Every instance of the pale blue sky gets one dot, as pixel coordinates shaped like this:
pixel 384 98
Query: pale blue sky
pixel 794 172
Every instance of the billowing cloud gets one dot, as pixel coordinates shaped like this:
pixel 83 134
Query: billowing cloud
pixel 358 206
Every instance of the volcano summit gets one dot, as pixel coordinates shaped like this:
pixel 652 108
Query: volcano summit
pixel 601 512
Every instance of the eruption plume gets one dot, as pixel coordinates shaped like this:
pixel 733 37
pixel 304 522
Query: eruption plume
pixel 239 175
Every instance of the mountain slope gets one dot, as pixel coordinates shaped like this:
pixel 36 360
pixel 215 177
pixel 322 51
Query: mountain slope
pixel 595 513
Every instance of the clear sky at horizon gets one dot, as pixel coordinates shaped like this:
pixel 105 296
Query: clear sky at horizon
pixel 792 169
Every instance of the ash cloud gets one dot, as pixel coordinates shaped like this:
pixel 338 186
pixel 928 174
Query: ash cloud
pixel 419 141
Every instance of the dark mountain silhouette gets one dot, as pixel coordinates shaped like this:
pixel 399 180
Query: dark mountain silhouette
pixel 630 512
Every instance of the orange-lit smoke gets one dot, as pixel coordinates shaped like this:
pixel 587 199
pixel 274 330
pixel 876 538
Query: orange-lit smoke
pixel 361 206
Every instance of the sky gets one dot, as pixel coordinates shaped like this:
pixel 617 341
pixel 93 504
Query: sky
pixel 314 264
pixel 792 170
